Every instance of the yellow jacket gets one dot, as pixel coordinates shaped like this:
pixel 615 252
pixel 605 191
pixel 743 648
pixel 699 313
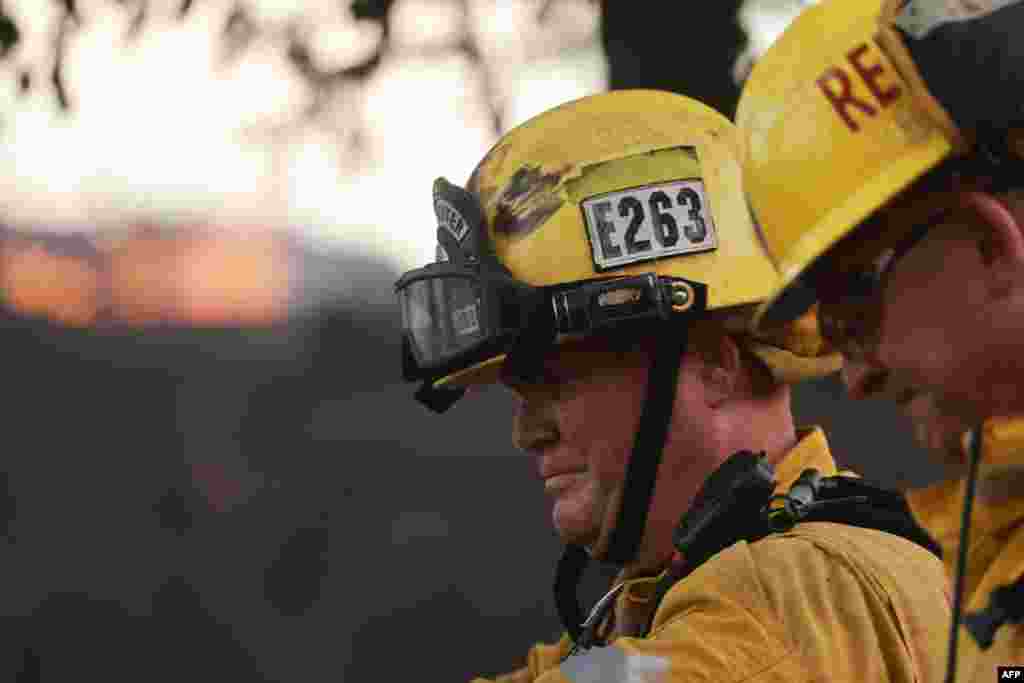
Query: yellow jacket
pixel 995 545
pixel 823 602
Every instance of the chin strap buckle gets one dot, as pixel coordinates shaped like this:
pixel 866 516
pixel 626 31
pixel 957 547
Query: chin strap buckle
pixel 784 511
pixel 588 637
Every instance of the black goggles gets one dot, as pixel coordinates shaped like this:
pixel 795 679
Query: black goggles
pixel 453 317
pixel 469 308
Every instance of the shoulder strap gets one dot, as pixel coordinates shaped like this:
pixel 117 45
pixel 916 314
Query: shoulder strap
pixel 812 498
pixel 884 510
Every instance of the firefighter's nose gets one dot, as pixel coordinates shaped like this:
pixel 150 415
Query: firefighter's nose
pixel 861 378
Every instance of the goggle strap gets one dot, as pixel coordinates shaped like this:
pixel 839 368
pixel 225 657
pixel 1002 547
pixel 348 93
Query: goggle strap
pixel 410 369
pixel 526 357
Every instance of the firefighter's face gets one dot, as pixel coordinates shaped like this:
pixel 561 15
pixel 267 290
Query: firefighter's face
pixel 934 323
pixel 936 427
pixel 930 312
pixel 578 422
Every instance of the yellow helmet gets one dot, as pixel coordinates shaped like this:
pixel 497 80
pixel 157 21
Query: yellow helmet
pixel 626 184
pixel 612 212
pixel 835 122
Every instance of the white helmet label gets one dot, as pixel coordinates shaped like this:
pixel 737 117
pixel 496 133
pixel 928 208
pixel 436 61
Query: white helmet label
pixel 921 17
pixel 647 223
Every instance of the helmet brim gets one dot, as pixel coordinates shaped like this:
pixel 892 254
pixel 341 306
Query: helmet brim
pixel 791 298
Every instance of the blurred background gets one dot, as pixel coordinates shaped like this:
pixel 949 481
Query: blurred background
pixel 211 470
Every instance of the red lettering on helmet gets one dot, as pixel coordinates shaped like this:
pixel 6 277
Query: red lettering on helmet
pixel 870 74
pixel 843 98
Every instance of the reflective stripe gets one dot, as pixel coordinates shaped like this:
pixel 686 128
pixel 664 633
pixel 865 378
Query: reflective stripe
pixel 613 665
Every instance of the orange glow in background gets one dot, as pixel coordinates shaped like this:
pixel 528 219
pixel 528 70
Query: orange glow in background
pixel 201 277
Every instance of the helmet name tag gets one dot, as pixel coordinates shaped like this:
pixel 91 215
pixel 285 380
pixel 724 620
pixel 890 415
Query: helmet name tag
pixel 647 223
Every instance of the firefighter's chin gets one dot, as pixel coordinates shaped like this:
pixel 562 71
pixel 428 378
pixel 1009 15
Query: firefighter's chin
pixel 936 427
pixel 577 508
pixel 600 539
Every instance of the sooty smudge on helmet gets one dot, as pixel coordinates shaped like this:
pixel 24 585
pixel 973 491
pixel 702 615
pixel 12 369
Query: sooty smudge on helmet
pixel 495 158
pixel 529 199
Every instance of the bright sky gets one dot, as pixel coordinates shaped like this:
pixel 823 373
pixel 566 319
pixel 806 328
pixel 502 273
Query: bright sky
pixel 763 21
pixel 174 121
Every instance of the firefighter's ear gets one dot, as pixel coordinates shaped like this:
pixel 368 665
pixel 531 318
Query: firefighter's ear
pixel 1001 240
pixel 721 367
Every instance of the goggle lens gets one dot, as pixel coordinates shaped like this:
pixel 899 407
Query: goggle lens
pixel 442 317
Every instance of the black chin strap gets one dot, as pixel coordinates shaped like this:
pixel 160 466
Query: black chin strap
pixel 571 566
pixel 961 560
pixel 641 475
pixel 651 434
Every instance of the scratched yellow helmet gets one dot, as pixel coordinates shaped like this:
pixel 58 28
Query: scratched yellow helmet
pixel 611 209
pixel 835 123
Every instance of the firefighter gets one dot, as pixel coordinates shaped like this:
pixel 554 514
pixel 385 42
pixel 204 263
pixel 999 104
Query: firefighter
pixel 600 262
pixel 886 194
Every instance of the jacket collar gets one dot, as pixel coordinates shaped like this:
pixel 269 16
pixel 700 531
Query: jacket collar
pixel 810 450
pixel 634 604
pixel 999 506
